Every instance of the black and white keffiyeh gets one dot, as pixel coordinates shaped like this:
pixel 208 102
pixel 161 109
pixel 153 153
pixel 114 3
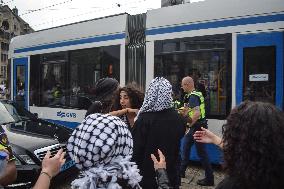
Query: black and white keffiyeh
pixel 102 147
pixel 158 96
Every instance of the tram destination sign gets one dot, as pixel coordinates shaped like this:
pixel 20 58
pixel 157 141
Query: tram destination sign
pixel 259 77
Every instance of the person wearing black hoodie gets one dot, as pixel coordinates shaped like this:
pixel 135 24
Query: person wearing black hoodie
pixel 105 91
pixel 158 126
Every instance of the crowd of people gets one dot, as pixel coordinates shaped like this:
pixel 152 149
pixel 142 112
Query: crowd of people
pixel 128 140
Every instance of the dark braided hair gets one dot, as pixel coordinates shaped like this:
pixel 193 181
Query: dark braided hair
pixel 254 145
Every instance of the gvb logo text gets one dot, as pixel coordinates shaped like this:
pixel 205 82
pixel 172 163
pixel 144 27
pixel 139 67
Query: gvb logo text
pixel 64 114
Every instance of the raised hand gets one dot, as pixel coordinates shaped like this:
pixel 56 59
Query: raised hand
pixel 206 136
pixel 52 165
pixel 159 164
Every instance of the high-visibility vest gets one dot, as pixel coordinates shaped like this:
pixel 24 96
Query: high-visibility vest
pixel 57 93
pixel 201 106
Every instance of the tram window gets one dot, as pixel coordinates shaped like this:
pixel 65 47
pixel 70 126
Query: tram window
pixel 83 64
pixel 111 61
pixel 59 78
pixel 259 74
pixel 207 57
pixel 48 79
pixel 20 85
pixel 87 66
pixel 170 46
pixel 53 78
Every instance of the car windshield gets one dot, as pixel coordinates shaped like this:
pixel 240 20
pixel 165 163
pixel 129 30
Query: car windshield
pixel 5 117
pixel 13 113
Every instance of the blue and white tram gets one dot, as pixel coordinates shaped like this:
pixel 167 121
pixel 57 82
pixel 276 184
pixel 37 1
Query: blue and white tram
pixel 235 46
pixel 57 68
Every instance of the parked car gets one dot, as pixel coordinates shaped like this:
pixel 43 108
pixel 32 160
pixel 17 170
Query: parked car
pixel 30 138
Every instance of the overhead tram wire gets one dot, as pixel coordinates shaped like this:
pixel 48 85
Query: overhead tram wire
pixel 103 9
pixel 47 7
pixel 78 15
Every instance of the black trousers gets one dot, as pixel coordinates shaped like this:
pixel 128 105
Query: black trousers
pixel 201 152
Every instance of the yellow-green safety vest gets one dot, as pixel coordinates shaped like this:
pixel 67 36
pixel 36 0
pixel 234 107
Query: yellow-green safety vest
pixel 57 94
pixel 202 105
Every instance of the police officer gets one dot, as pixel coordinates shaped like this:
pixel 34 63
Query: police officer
pixel 194 112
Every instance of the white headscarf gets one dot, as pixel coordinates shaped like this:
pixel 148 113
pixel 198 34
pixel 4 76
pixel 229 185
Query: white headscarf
pixel 102 147
pixel 158 96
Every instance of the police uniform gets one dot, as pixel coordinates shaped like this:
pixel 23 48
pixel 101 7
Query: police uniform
pixel 196 99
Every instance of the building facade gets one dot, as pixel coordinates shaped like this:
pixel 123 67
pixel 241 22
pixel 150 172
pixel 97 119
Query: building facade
pixel 11 25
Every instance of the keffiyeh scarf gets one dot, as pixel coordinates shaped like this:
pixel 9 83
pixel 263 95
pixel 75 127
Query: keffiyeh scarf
pixel 101 147
pixel 158 96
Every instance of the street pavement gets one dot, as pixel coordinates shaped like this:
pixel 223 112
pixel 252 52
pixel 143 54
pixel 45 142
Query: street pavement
pixel 195 172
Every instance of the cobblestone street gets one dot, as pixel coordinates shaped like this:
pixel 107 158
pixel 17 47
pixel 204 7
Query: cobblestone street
pixel 193 173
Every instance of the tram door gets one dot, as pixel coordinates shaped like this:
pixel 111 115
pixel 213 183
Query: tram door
pixel 20 81
pixel 260 68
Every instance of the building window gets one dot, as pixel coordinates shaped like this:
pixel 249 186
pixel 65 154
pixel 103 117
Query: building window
pixel 3 73
pixel 4 46
pixel 209 58
pixel 4 57
pixel 7 35
pixel 5 25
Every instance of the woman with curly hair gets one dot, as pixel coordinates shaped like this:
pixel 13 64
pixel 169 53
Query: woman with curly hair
pixel 128 103
pixel 253 146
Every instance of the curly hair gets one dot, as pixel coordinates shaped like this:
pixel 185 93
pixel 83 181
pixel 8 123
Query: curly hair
pixel 254 145
pixel 136 97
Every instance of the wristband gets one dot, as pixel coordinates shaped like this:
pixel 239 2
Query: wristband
pixel 45 173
